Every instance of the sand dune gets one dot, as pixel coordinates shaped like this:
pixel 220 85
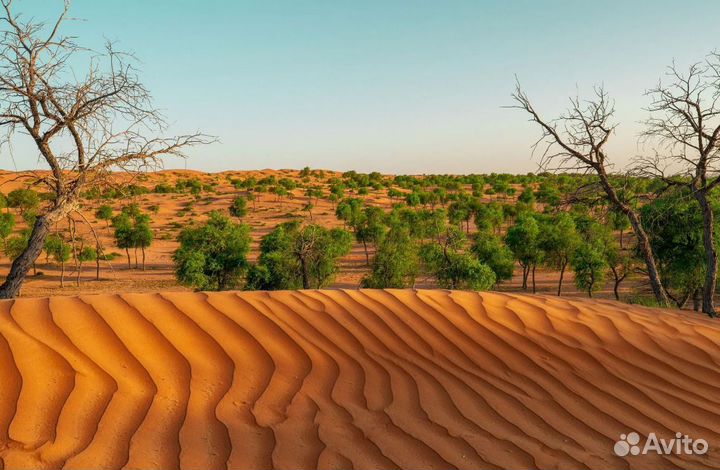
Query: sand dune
pixel 364 379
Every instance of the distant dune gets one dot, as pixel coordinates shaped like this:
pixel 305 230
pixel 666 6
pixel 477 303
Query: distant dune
pixel 342 379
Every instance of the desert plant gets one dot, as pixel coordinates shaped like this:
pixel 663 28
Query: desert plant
pixel 239 207
pixel 453 266
pixel 294 256
pixel 589 264
pixel 523 239
pixel 558 240
pixel 7 223
pixel 60 251
pixel 213 256
pixel 105 213
pixel 396 262
pixel 490 249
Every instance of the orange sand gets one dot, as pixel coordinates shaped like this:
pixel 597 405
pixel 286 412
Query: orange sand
pixel 363 379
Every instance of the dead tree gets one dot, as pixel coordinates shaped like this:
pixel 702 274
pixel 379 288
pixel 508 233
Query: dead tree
pixel 576 142
pixel 104 112
pixel 684 122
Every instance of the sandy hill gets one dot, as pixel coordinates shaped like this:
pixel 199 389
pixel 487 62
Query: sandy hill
pixel 369 379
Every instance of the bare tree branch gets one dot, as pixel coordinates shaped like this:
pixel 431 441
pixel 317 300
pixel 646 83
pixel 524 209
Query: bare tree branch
pixel 105 114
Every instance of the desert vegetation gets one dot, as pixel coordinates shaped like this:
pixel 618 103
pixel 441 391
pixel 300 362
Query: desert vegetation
pixel 546 233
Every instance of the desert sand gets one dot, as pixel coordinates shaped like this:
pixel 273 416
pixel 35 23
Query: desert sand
pixel 342 379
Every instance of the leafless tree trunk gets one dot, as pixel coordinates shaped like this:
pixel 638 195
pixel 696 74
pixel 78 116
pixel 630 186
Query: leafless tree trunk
pixel 101 111
pixel 576 142
pixel 75 251
pixel 685 122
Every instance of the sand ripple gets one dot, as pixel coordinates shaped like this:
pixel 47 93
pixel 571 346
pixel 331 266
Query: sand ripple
pixel 350 379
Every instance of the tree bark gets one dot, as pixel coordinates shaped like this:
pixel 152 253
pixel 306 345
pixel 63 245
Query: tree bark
pixel 526 271
pixel 708 301
pixel 643 242
pixel 127 252
pixel 305 274
pixel 143 257
pixel 22 264
pixel 617 279
pixel 562 275
pixel 697 299
pixel 533 276
pixel 682 301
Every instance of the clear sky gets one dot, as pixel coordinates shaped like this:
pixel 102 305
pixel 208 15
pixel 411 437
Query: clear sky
pixel 394 86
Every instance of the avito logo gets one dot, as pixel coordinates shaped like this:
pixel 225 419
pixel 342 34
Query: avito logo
pixel 681 444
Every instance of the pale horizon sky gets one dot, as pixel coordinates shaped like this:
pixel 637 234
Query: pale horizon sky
pixel 390 86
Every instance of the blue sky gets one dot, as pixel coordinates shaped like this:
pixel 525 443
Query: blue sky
pixel 393 86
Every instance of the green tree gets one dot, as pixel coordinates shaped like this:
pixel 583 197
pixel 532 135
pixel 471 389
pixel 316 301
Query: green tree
pixel 453 266
pixel 527 196
pixel 489 216
pixel 558 240
pixel 490 249
pixel 276 267
pixel 370 229
pixel 142 236
pixel 549 194
pixel 309 208
pixel 26 200
pixel 132 210
pixel 294 256
pixel 620 222
pixel 523 239
pixel 412 199
pixel 7 223
pixel 239 207
pixel 674 225
pixel 281 192
pixel 459 212
pixel 589 264
pixel 122 224
pixel 619 263
pixel 213 255
pixel 396 262
pixel 349 210
pixel 250 196
pixel 86 254
pixel 394 194
pixel 60 251
pixel 105 213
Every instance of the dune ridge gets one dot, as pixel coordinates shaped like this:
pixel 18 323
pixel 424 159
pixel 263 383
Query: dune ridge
pixel 350 379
